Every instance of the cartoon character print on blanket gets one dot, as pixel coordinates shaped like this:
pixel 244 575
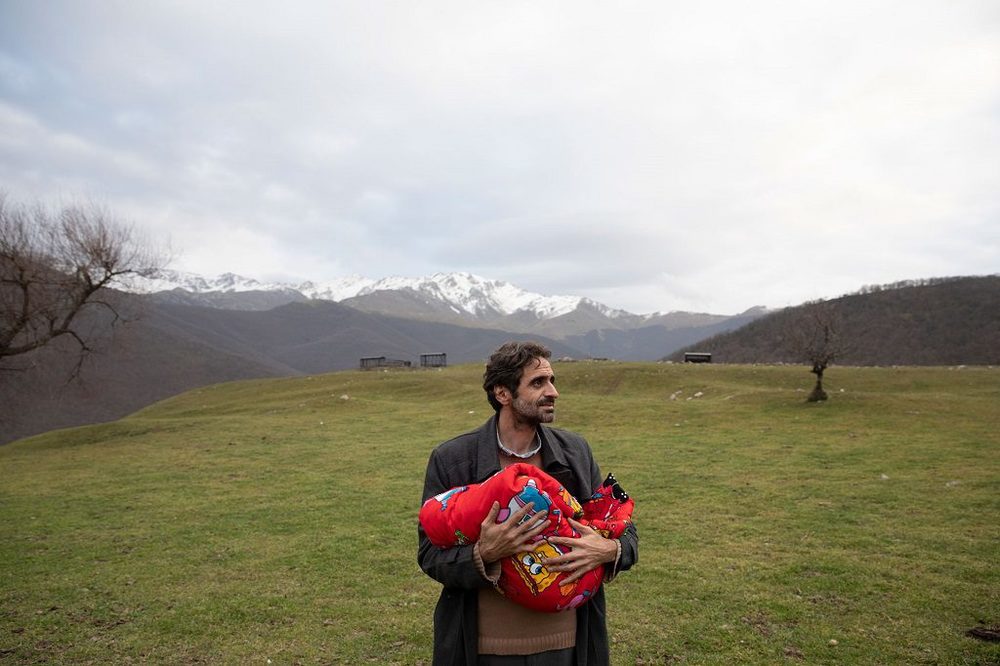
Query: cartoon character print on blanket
pixel 455 516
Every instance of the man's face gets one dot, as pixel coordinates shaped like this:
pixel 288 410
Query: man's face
pixel 535 398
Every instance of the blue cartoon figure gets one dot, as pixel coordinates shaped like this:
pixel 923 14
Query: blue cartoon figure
pixel 532 494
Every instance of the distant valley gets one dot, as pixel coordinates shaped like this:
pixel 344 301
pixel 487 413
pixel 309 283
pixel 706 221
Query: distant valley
pixel 200 333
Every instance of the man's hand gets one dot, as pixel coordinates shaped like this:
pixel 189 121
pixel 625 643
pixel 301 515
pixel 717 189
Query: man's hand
pixel 500 540
pixel 589 551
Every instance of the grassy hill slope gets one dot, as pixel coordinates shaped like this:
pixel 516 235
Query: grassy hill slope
pixel 275 519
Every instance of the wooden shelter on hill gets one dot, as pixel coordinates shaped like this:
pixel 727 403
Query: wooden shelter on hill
pixel 374 362
pixel 437 360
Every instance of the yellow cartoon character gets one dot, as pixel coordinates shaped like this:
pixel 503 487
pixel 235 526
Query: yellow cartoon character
pixel 529 565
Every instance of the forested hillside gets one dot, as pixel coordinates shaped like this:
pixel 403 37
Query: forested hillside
pixel 943 321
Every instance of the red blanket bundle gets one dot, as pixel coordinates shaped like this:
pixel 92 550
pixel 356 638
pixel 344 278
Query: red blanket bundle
pixel 455 516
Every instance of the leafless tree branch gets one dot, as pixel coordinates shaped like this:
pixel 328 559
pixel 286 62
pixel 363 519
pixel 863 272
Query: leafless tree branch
pixel 54 266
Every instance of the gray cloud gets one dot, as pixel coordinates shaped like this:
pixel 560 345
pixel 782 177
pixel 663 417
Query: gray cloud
pixel 654 157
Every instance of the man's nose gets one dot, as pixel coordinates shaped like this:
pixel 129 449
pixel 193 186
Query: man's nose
pixel 552 392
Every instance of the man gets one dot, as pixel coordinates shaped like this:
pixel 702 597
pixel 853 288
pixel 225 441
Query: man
pixel 473 623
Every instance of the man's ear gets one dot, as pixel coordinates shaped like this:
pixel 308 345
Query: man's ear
pixel 502 394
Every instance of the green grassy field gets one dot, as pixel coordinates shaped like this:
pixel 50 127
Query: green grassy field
pixel 274 521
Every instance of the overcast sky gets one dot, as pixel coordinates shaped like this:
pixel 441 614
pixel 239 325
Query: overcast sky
pixel 653 156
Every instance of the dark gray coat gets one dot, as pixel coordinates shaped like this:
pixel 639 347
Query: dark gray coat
pixel 472 458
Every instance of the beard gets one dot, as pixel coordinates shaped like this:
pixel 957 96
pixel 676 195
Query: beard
pixel 533 412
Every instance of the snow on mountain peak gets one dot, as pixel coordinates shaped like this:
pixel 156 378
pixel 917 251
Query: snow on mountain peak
pixel 337 290
pixel 165 280
pixel 463 292
pixel 479 296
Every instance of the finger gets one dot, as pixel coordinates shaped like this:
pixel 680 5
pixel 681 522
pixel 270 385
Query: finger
pixel 528 538
pixel 523 511
pixel 526 520
pixel 575 569
pixel 491 517
pixel 569 542
pixel 536 523
pixel 555 562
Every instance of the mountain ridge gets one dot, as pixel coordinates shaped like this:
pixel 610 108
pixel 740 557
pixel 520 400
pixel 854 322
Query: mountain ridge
pixel 464 299
pixel 463 291
pixel 937 321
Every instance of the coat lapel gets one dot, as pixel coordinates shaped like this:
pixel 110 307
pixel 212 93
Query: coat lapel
pixel 487 453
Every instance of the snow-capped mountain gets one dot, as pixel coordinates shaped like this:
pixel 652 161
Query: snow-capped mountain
pixel 463 293
pixel 455 299
pixel 478 296
pixel 167 280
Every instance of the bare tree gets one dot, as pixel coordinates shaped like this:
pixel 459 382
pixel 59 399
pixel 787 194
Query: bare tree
pixel 55 266
pixel 815 335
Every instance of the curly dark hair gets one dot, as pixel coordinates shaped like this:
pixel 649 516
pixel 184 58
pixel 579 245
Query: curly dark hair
pixel 506 366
